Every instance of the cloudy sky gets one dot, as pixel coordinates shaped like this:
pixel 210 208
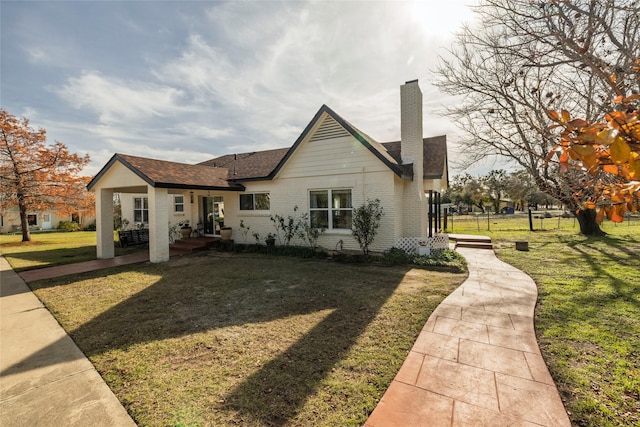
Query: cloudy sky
pixel 188 81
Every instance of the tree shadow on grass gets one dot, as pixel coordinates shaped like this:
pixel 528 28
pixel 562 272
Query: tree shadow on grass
pixel 208 294
pixel 274 394
pixel 616 252
pixel 53 257
pixel 63 256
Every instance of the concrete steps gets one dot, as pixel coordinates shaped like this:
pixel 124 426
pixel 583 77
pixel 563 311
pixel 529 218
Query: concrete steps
pixel 475 245
pixel 470 241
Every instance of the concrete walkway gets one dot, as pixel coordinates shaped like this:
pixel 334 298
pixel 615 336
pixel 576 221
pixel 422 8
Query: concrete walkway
pixel 83 267
pixel 45 380
pixel 476 361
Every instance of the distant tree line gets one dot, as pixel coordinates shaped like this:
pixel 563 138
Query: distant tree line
pixel 496 189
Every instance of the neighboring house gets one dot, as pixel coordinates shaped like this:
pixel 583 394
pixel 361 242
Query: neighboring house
pixel 331 169
pixel 43 220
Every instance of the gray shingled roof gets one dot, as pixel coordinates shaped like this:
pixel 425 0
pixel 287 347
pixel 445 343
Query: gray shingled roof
pixel 264 164
pixel 260 164
pixel 435 155
pixel 227 171
pixel 257 164
pixel 164 174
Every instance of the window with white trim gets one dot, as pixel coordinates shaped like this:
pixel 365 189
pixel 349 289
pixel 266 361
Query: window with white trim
pixel 140 209
pixel 255 202
pixel 331 209
pixel 178 204
pixel 32 219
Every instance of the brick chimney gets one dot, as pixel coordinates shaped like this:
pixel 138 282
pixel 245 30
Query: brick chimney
pixel 412 152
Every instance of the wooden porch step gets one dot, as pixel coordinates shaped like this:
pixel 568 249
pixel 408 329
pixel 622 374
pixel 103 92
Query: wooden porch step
pixel 193 244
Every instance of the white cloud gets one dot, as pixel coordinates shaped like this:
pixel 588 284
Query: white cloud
pixel 237 76
pixel 200 130
pixel 115 100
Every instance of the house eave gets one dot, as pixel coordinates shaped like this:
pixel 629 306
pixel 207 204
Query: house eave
pixel 232 186
pixel 171 185
pixel 325 109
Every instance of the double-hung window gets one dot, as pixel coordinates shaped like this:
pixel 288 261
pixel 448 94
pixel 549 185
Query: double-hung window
pixel 178 204
pixel 330 209
pixel 140 209
pixel 255 202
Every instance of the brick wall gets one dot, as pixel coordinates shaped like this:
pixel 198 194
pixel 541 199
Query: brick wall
pixel 414 201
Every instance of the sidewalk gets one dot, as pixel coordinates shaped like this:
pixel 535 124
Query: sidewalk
pixel 83 267
pixel 45 380
pixel 476 361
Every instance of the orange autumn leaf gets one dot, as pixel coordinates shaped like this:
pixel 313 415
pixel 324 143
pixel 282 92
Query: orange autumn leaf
pixel 590 160
pixel 609 210
pixel 618 213
pixel 578 123
pixel 564 157
pixel 553 115
pixel 609 151
pixel 616 218
pixel 573 154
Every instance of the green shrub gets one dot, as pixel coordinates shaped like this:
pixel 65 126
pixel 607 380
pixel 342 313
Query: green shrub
pixel 366 221
pixel 91 227
pixel 445 259
pixel 397 256
pixel 68 226
pixel 354 258
pixel 293 251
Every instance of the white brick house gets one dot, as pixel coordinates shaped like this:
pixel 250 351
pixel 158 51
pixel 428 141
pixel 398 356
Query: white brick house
pixel 331 169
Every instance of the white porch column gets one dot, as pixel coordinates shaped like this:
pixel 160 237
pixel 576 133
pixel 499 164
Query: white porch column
pixel 104 223
pixel 158 224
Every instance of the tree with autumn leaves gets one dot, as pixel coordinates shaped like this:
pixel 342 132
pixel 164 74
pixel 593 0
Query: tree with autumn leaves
pixel 553 87
pixel 37 176
pixel 609 151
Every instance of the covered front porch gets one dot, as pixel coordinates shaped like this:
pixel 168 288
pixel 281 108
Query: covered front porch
pixel 162 195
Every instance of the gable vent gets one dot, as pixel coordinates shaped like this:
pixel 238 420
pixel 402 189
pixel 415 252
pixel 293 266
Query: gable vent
pixel 329 129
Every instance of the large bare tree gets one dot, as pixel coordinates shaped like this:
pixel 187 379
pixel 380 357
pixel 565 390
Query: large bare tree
pixel 522 59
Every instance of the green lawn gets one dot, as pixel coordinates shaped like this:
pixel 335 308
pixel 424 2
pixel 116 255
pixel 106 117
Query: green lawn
pixel 588 313
pixel 50 249
pixel 245 339
pixel 222 339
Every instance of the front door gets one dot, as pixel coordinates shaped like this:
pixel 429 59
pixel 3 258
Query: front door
pixel 207 214
pixel 213 214
pixel 46 221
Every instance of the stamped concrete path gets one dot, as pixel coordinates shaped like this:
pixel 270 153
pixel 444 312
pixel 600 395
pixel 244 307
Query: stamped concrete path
pixel 476 361
pixel 45 380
